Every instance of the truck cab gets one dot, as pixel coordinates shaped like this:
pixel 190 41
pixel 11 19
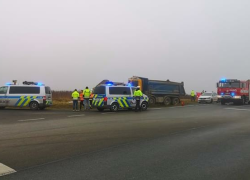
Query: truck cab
pixel 233 90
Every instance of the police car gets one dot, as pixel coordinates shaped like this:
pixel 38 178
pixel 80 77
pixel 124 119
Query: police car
pixel 115 97
pixel 29 94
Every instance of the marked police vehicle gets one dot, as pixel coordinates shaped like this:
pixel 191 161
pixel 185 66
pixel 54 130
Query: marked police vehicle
pixel 115 97
pixel 29 94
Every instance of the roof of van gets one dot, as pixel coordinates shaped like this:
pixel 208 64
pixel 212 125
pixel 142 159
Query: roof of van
pixel 12 85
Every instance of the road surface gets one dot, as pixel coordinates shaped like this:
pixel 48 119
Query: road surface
pixel 177 143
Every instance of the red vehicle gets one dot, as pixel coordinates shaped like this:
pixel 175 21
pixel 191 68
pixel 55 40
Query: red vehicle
pixel 233 90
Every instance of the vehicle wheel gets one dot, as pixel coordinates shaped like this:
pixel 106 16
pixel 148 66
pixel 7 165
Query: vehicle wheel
pixel 2 107
pixel 34 106
pixel 114 107
pixel 100 109
pixel 243 101
pixel 152 100
pixel 175 101
pixel 42 108
pixel 222 102
pixel 167 101
pixel 144 106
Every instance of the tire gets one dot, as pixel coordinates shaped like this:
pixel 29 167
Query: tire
pixel 2 108
pixel 114 107
pixel 144 106
pixel 175 101
pixel 152 100
pixel 100 109
pixel 167 101
pixel 34 106
pixel 243 102
pixel 222 102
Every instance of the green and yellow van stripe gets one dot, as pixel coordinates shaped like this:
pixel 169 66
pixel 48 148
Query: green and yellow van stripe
pixel 24 101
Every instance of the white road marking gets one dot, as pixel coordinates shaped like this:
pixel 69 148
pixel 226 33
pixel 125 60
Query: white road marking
pixel 31 119
pixel 77 115
pixel 237 109
pixel 5 170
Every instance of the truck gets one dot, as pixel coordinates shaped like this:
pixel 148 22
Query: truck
pixel 167 92
pixel 233 91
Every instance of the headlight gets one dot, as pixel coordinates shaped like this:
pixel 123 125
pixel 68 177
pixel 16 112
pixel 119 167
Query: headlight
pixel 237 97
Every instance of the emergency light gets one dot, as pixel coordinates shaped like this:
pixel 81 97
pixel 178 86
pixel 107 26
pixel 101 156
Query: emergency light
pixel 109 83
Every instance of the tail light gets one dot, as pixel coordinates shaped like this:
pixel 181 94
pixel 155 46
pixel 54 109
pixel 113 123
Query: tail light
pixel 44 98
pixel 105 99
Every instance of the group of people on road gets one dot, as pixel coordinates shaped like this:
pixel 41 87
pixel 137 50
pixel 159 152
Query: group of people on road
pixel 193 95
pixel 85 97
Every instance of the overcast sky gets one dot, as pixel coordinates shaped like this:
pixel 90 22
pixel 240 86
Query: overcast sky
pixel 69 44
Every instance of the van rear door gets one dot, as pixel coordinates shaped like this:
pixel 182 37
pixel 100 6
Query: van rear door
pixel 48 93
pixel 3 96
pixel 99 95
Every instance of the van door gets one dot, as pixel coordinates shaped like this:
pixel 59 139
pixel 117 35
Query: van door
pixel 3 96
pixel 122 96
pixel 48 93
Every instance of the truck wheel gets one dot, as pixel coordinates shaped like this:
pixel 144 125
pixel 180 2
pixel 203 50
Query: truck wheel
pixel 175 101
pixel 167 101
pixel 114 107
pixel 144 106
pixel 243 101
pixel 222 102
pixel 100 109
pixel 152 100
pixel 34 106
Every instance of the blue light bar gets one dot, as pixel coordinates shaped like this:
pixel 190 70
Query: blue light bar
pixel 109 83
pixel 39 84
pixel 233 94
pixel 223 79
pixel 8 84
pixel 222 93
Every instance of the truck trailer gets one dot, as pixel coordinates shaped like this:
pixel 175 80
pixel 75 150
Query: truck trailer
pixel 166 92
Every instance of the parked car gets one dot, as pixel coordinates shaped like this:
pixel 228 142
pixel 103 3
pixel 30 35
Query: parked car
pixel 208 97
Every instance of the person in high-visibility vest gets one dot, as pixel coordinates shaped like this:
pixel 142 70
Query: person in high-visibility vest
pixel 86 94
pixel 75 96
pixel 81 100
pixel 138 94
pixel 192 95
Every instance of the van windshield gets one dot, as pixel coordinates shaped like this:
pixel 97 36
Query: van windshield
pixel 99 90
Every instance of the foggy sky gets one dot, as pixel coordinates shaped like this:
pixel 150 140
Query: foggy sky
pixel 71 44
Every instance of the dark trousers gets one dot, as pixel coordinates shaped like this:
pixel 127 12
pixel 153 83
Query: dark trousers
pixel 137 106
pixel 75 104
pixel 81 104
pixel 192 98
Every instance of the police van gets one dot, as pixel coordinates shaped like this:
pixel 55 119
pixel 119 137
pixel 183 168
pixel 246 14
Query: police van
pixel 29 94
pixel 115 97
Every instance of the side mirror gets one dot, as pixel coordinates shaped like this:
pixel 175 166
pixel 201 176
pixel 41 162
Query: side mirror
pixel 217 84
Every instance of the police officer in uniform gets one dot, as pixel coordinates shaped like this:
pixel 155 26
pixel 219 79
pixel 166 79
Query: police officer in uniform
pixel 137 95
pixel 75 96
pixel 86 94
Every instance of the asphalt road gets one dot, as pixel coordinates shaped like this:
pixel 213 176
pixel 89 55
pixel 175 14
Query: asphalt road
pixel 179 143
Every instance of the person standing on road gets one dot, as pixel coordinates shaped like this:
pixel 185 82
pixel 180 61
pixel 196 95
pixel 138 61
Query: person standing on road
pixel 86 94
pixel 81 100
pixel 137 95
pixel 75 96
pixel 192 95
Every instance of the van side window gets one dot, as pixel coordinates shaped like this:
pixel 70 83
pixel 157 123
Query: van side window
pixel 119 91
pixel 24 90
pixel 3 90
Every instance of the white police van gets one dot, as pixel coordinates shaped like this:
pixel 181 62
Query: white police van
pixel 30 94
pixel 115 97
